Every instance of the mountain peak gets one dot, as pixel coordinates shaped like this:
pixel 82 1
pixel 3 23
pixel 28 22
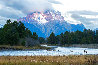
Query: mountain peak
pixel 43 17
pixel 44 23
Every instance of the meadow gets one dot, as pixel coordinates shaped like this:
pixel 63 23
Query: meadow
pixel 50 60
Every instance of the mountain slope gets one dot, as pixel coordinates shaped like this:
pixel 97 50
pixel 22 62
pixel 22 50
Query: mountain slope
pixel 43 23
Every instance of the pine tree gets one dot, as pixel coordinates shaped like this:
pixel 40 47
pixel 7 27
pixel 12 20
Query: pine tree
pixel 41 40
pixel 35 36
pixel 62 39
pixel 96 37
pixel 51 39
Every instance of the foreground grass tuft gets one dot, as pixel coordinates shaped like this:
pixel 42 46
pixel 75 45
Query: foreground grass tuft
pixel 50 60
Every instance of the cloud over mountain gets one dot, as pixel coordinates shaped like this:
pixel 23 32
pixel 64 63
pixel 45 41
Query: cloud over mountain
pixel 13 7
pixel 88 18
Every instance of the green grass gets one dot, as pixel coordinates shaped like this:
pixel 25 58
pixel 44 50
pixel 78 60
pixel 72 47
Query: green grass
pixel 49 60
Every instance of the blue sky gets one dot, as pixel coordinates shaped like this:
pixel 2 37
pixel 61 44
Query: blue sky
pixel 74 11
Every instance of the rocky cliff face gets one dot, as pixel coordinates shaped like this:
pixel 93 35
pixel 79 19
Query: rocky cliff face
pixel 43 23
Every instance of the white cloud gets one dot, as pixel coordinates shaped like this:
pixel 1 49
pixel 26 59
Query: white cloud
pixel 0 6
pixel 71 20
pixel 69 5
pixel 4 19
pixel 19 8
pixel 90 16
pixel 89 19
pixel 27 6
pixel 10 12
pixel 79 11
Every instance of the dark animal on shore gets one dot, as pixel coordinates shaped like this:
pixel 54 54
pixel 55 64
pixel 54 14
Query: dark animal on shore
pixel 85 51
pixel 71 51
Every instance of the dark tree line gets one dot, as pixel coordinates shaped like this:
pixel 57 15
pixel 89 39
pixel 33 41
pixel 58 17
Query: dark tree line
pixel 12 32
pixel 77 37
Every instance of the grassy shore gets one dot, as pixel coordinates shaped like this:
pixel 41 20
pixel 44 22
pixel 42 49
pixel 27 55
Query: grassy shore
pixel 82 45
pixel 95 46
pixel 49 60
pixel 7 47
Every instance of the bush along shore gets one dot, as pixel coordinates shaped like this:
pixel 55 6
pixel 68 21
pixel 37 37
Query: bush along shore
pixel 49 60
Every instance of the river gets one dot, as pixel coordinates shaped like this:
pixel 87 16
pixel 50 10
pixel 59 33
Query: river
pixel 56 51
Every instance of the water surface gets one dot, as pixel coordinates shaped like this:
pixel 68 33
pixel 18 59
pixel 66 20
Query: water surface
pixel 55 52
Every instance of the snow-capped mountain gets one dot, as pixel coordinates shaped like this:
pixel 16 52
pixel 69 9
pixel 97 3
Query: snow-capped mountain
pixel 43 17
pixel 43 23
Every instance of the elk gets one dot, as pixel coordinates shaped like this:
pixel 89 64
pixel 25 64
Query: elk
pixel 85 51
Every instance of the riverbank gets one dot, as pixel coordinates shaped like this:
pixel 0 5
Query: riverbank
pixel 7 47
pixel 50 60
pixel 94 46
